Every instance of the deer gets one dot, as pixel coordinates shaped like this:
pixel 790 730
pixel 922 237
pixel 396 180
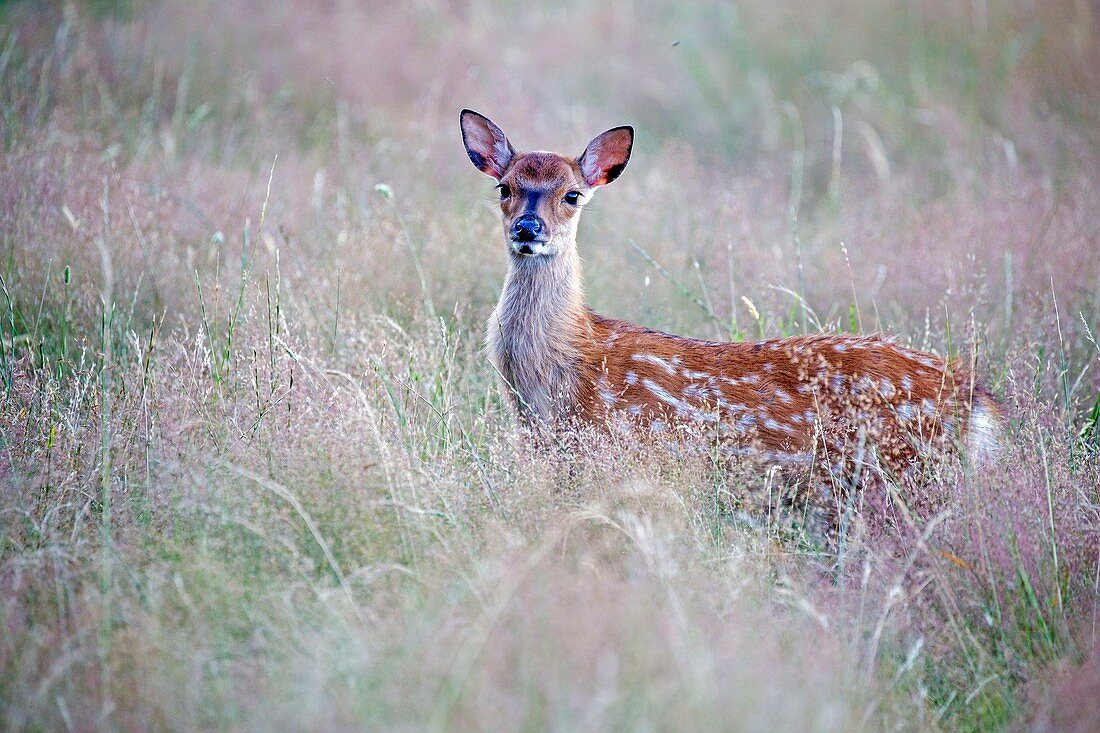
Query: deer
pixel 837 400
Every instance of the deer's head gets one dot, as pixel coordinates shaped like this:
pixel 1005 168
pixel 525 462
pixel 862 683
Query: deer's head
pixel 541 194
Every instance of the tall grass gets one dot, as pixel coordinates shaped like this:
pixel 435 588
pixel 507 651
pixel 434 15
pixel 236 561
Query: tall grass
pixel 255 472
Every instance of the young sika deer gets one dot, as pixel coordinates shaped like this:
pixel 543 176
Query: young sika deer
pixel 821 398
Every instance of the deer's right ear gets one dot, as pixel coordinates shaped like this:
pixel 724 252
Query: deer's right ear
pixel 606 156
pixel 486 144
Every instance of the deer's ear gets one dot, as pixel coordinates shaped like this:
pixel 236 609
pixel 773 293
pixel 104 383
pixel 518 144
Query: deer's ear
pixel 486 144
pixel 606 156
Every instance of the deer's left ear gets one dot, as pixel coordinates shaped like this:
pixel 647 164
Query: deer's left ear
pixel 606 156
pixel 486 144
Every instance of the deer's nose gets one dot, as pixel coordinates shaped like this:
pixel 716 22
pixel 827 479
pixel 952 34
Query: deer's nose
pixel 527 228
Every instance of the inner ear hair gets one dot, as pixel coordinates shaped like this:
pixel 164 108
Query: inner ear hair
pixel 486 144
pixel 606 156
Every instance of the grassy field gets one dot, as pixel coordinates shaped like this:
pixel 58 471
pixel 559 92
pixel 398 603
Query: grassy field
pixel 255 472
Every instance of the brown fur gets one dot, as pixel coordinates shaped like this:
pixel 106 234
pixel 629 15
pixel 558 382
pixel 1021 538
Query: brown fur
pixel 800 397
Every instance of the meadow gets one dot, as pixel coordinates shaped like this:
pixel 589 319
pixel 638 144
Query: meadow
pixel 255 469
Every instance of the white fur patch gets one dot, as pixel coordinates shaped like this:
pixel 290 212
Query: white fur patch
pixel 731 407
pixel 983 435
pixel 745 423
pixel 682 408
pixel 772 424
pixel 656 361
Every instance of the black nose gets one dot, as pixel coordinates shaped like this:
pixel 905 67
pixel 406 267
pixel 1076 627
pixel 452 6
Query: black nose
pixel 527 228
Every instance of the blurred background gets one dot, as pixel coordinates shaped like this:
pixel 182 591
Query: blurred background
pixel 254 469
pixel 948 146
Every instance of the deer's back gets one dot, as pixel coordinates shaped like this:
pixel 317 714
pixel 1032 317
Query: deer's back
pixel 795 398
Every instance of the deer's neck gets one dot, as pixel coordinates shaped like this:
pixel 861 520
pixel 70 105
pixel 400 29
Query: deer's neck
pixel 535 334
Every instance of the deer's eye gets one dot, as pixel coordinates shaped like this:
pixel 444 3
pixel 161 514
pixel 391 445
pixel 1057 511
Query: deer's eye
pixel 572 198
pixel 505 191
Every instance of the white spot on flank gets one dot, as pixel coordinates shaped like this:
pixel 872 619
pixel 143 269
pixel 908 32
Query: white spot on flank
pixel 607 395
pixel 907 384
pixel 905 412
pixel 700 391
pixel 927 407
pixel 788 458
pixel 863 384
pixel 780 457
pixel 783 396
pixel 621 425
pixel 769 367
pixel 692 374
pixel 745 422
pixel 682 408
pixel 771 424
pixel 732 407
pixel 886 388
pixel 840 348
pixel 631 378
pixel 656 361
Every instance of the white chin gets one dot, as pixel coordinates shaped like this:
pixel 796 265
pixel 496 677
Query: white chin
pixel 530 249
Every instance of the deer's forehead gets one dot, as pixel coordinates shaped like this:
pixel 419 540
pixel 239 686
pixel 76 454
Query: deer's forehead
pixel 544 171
